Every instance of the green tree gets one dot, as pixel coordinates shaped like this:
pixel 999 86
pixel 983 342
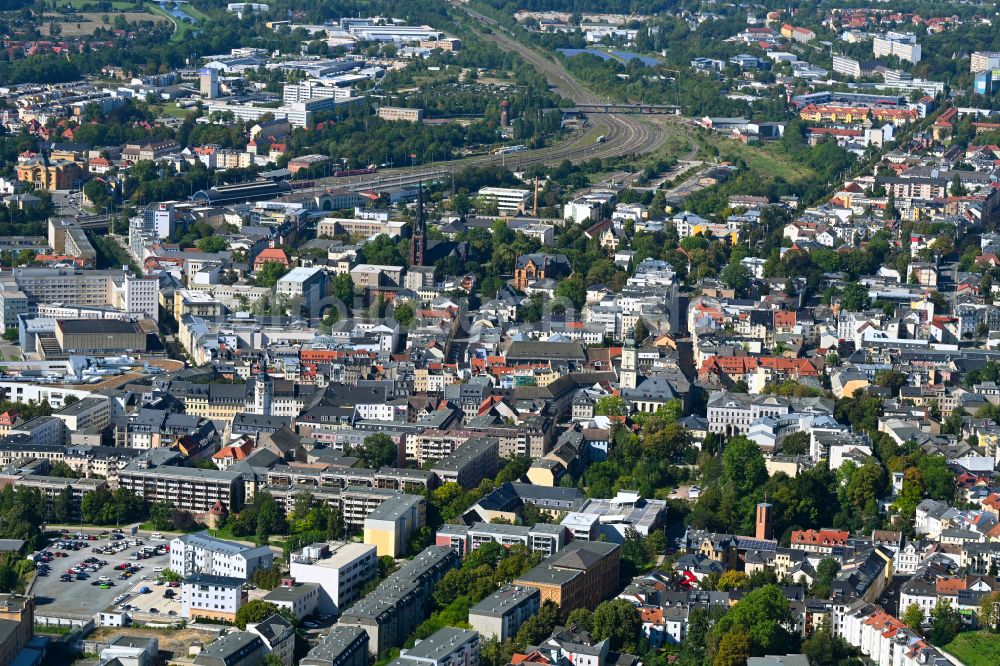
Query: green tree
pixel 61 469
pixel 62 507
pixel 641 331
pixel 161 515
pixel 743 465
pixel 855 298
pixel 734 648
pixel 377 451
pixel 212 244
pixel 269 274
pixel 989 612
pixel 257 610
pixel 766 617
pixel 342 288
pixel 737 278
pixel 580 617
pixel 913 617
pixel 619 621
pixel 946 622
pixel 825 649
pixel 539 626
pixel 404 314
pixel 796 444
pixel 610 405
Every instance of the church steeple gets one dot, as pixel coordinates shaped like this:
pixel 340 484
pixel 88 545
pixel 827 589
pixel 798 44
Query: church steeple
pixel 419 241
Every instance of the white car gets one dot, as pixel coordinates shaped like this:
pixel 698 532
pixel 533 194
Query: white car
pixel 157 535
pixel 158 569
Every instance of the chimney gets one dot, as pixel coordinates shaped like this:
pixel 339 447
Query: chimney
pixel 534 209
pixel 288 582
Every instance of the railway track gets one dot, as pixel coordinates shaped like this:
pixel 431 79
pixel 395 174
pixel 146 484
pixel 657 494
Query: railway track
pixel 624 135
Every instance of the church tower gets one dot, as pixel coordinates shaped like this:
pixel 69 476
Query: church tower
pixel 419 241
pixel 629 378
pixel 263 393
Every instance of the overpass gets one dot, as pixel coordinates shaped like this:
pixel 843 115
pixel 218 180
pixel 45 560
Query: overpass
pixel 610 107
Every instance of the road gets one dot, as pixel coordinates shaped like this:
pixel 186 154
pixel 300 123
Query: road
pixel 625 135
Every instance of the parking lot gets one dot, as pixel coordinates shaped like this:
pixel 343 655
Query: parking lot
pixel 80 597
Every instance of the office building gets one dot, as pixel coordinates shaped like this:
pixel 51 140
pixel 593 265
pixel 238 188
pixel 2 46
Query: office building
pixel 212 597
pixel 238 648
pixel 477 459
pixel 340 569
pixel 201 553
pixel 279 637
pixel 509 201
pixel 306 284
pixel 846 66
pixel 611 519
pixel 300 599
pixel 502 613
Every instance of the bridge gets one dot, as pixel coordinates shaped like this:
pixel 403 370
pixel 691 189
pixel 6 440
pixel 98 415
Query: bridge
pixel 625 108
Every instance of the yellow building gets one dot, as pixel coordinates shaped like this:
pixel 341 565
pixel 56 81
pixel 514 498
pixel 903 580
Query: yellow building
pixel 389 526
pixel 54 175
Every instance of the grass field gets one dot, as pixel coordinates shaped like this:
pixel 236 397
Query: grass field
pixel 976 648
pixel 90 21
pixel 153 12
pixel 767 160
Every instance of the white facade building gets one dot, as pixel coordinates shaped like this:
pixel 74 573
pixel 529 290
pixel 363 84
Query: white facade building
pixel 201 553
pixel 340 569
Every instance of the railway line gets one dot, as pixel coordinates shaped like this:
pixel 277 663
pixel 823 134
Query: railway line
pixel 624 135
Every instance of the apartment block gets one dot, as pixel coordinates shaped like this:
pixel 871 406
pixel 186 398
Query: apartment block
pixel 389 526
pixel 400 113
pixel 502 613
pixel 477 459
pixel 191 489
pixel 401 602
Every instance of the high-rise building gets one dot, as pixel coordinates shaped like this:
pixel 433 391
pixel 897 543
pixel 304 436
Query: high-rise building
pixel 982 61
pixel 209 79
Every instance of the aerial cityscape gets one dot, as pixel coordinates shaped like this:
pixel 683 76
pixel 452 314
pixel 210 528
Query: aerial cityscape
pixel 491 333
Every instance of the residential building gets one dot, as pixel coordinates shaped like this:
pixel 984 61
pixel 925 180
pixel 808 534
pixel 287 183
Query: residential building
pixel 502 613
pixel 401 602
pixel 238 648
pixel 390 525
pixel 202 553
pixel 212 597
pixel 341 646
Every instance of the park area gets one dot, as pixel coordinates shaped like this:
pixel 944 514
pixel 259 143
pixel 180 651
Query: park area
pixel 976 648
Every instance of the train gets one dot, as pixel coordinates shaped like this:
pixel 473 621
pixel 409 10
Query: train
pixel 355 172
pixel 506 150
